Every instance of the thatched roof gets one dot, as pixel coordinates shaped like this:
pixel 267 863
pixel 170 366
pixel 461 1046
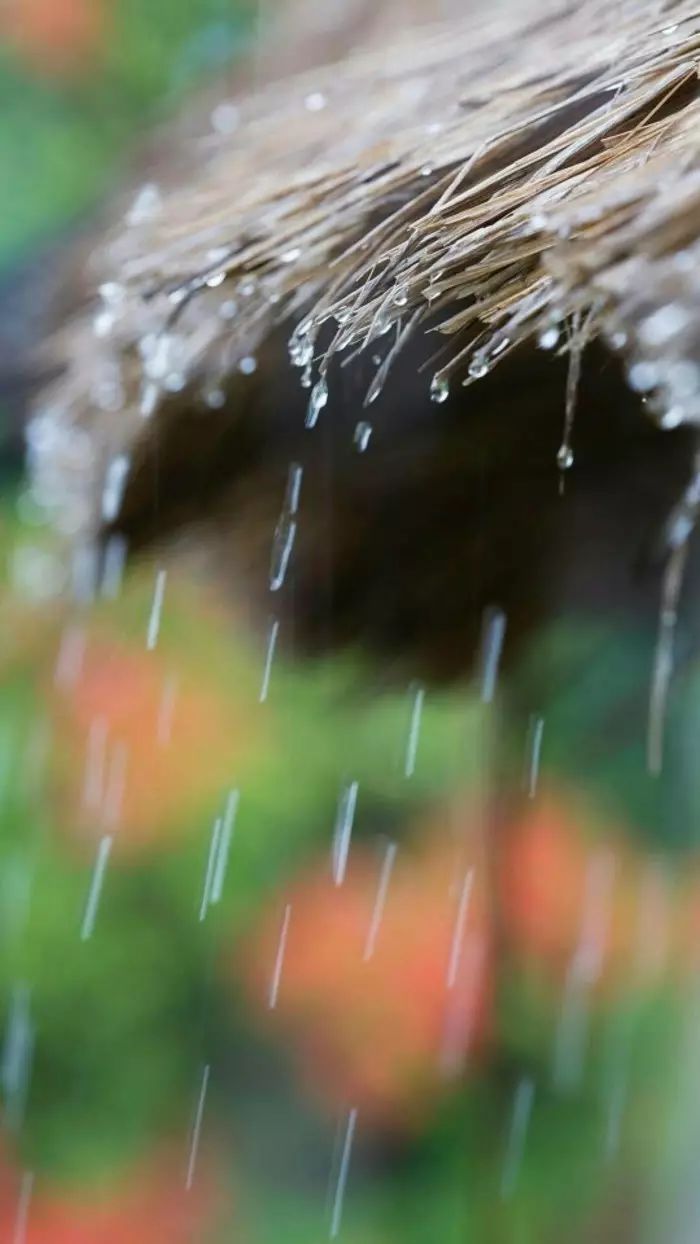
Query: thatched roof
pixel 527 171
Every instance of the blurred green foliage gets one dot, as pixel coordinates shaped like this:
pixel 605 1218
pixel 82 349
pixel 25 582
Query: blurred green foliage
pixel 63 137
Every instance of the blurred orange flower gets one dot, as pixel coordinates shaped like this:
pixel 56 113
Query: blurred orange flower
pixel 150 1206
pixel 384 980
pixel 139 752
pixel 576 892
pixel 55 36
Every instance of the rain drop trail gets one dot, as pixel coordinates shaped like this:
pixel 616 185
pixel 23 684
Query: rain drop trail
pixel 156 610
pixel 17 1054
pixel 363 434
pixel 458 935
pixel 93 783
pixel 380 901
pixel 166 713
pixel 522 1110
pixel 317 401
pixel 211 866
pixel 282 546
pixel 227 828
pixel 71 653
pixel 269 658
pixel 414 732
pixel 19 1234
pixel 494 634
pixel 197 1127
pixel 532 775
pixel 115 486
pixel 279 958
pixel 113 567
pixel 343 831
pixel 103 853
pixel 116 785
pixel 296 474
pixel 577 342
pixel 339 1198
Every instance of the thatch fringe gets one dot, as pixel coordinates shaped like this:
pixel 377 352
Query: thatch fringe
pixel 531 170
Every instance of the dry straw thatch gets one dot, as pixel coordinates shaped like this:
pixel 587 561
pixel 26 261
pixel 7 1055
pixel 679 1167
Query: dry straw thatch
pixel 527 170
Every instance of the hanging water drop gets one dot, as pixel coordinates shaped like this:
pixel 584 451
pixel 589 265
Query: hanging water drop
pixel 478 368
pixel 248 365
pixel 439 389
pixel 146 205
pixel 549 338
pixel 363 433
pixel 115 484
pixel 215 399
pixel 315 102
pixel 301 346
pixel 317 401
pixel 565 458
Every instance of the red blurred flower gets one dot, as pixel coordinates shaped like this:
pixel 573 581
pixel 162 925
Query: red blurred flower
pixel 138 751
pixel 54 36
pixel 573 891
pixel 383 999
pixel 150 1206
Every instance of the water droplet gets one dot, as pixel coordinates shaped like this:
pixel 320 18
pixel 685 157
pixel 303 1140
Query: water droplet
pixel 112 293
pixel 549 338
pixel 363 433
pixel 103 324
pixel 683 377
pixel 228 309
pixel 225 118
pixel 439 389
pixel 248 287
pixel 663 325
pixel 291 255
pixel 146 206
pixel 149 400
pixel 317 401
pixel 248 365
pixel 478 368
pixel 642 376
pixel 427 170
pixel 217 279
pixel 301 347
pixel 156 351
pixel 673 417
pixel 175 382
pixel 315 102
pixel 565 458
pixel 401 298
